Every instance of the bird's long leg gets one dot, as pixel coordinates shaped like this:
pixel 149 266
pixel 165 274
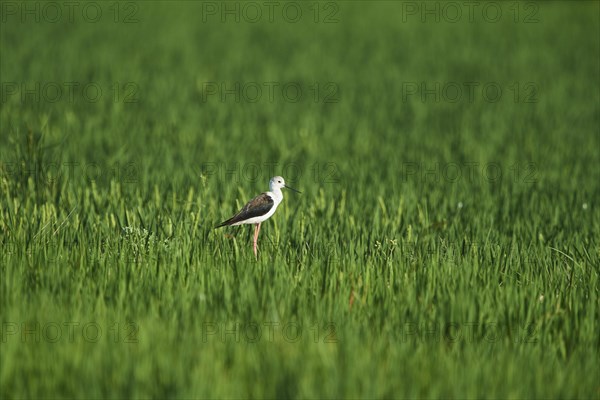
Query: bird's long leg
pixel 256 230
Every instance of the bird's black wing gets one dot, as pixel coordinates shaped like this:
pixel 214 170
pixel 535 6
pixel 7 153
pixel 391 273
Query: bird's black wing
pixel 260 205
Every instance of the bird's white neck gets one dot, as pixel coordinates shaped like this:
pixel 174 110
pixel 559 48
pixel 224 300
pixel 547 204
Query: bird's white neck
pixel 277 195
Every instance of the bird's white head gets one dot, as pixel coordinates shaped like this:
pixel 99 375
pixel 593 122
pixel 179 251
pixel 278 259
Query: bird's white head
pixel 277 183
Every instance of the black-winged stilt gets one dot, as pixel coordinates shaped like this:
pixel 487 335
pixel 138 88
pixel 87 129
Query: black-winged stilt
pixel 260 208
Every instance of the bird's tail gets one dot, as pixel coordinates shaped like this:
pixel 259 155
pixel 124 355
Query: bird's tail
pixel 224 223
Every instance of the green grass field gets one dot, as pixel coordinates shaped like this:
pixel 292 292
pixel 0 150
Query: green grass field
pixel 445 245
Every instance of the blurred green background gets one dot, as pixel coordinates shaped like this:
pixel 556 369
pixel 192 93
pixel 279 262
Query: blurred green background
pixel 445 244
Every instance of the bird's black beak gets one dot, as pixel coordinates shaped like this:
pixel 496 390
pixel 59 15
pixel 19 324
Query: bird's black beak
pixel 291 188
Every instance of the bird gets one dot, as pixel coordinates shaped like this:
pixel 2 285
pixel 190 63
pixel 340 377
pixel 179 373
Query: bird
pixel 259 209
